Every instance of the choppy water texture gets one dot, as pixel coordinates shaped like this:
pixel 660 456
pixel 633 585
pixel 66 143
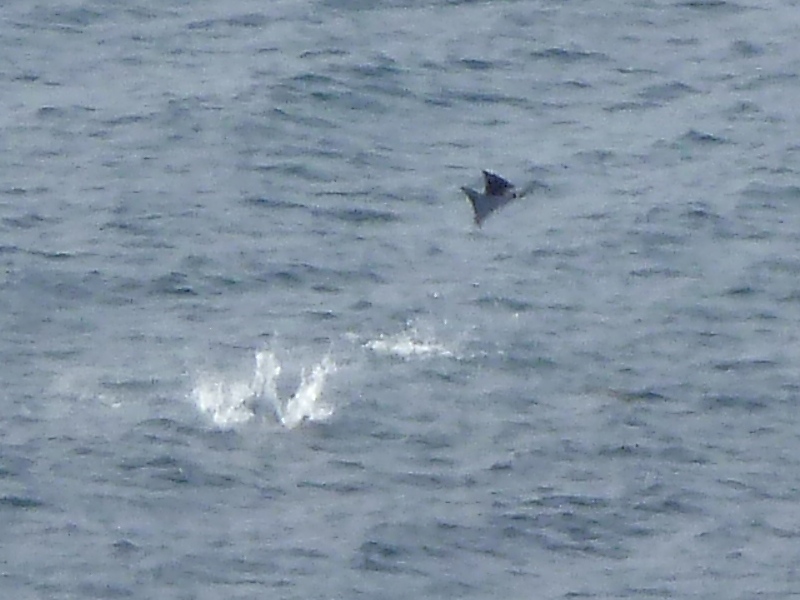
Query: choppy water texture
pixel 254 347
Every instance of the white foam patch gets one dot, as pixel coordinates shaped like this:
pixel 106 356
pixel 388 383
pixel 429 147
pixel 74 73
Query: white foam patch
pixel 409 344
pixel 232 403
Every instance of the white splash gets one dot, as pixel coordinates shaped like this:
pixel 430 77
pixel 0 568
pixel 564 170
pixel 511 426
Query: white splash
pixel 230 404
pixel 226 403
pixel 408 344
pixel 305 402
pixel 265 379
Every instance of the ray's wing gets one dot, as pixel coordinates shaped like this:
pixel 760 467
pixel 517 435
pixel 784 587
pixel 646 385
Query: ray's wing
pixel 484 205
pixel 496 185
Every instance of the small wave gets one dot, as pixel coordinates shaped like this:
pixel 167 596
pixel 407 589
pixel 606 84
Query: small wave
pixel 358 216
pixel 567 55
pixel 666 92
pixel 693 136
pixel 719 6
pixel 233 403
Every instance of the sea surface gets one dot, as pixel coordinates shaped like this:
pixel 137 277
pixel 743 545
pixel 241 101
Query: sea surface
pixel 254 346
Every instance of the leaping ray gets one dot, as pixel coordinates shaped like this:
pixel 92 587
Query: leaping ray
pixel 497 193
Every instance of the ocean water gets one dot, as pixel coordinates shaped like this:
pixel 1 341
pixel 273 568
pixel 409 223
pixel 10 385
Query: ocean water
pixel 253 345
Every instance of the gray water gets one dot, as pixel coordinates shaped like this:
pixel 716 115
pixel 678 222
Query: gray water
pixel 254 347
